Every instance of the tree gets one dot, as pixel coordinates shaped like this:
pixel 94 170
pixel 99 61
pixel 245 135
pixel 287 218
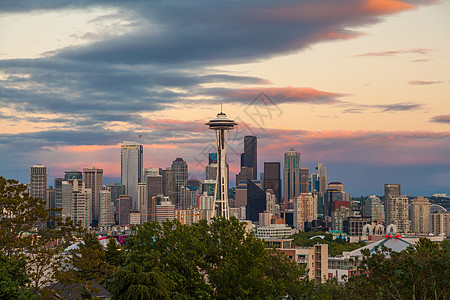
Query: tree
pixel 419 272
pixel 217 259
pixel 13 278
pixel 23 230
pixel 83 265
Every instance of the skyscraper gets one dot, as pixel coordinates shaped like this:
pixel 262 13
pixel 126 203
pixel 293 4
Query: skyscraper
pixel 38 182
pixel 272 179
pixel 250 156
pixel 305 210
pixel 221 125
pixel 318 185
pixel 169 184
pixel 106 208
pixel 132 169
pixel 180 167
pixel 291 174
pixel 397 212
pixel 93 179
pixel 420 215
pixel 256 200
pixel 392 190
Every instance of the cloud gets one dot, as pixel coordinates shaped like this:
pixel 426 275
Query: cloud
pixel 395 107
pixel 441 119
pixel 420 82
pixel 421 51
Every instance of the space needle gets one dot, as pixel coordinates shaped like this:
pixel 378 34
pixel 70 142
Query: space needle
pixel 221 124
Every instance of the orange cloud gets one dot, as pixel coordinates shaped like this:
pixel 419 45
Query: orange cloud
pixel 387 6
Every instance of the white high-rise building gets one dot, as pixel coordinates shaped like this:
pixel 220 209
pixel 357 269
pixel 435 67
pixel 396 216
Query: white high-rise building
pixel 397 212
pixel 221 125
pixel 305 210
pixel 38 182
pixel 420 215
pixel 132 169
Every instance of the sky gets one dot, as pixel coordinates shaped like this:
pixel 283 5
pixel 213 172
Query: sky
pixel 362 86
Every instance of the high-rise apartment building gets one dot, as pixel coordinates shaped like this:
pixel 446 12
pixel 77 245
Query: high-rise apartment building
pixel 58 193
pixel 272 179
pixel 93 179
pixel 291 179
pixel 305 209
pixel 250 156
pixel 81 206
pixel 180 167
pixel 165 211
pixel 397 212
pixel 304 177
pixel 420 215
pixel 440 223
pixel 132 169
pixel 38 182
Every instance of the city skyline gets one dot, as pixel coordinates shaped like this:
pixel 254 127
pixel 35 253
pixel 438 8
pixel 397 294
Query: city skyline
pixel 360 86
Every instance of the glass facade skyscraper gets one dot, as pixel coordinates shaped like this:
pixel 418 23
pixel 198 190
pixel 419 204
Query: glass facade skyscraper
pixel 291 174
pixel 132 169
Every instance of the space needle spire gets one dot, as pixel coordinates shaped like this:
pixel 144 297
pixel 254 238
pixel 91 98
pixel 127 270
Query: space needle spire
pixel 221 125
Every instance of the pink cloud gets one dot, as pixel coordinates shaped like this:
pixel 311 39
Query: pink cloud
pixel 420 82
pixel 441 119
pixel 422 51
pixel 286 94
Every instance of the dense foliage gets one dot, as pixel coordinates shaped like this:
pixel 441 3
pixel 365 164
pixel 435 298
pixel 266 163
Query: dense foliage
pixel 206 260
pixel 335 246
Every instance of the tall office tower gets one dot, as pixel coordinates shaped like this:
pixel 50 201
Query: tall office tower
pixel 256 200
pixel 169 184
pixel 193 182
pixel 305 210
pixel 420 215
pixel 38 182
pixel 188 197
pixel 318 185
pixel 272 179
pixel 132 169
pixel 250 156
pixel 154 188
pixel 116 189
pixel 221 125
pixel 392 190
pixel 143 201
pixel 180 167
pixel 304 176
pixel 72 175
pixel 397 212
pixel 318 179
pixel 58 194
pixel 291 174
pixel 374 209
pixel 106 208
pixel 51 198
pixel 124 210
pixel 245 174
pixel 152 172
pixel 93 179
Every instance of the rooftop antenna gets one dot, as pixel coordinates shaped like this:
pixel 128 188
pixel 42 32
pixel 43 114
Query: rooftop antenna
pixel 221 110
